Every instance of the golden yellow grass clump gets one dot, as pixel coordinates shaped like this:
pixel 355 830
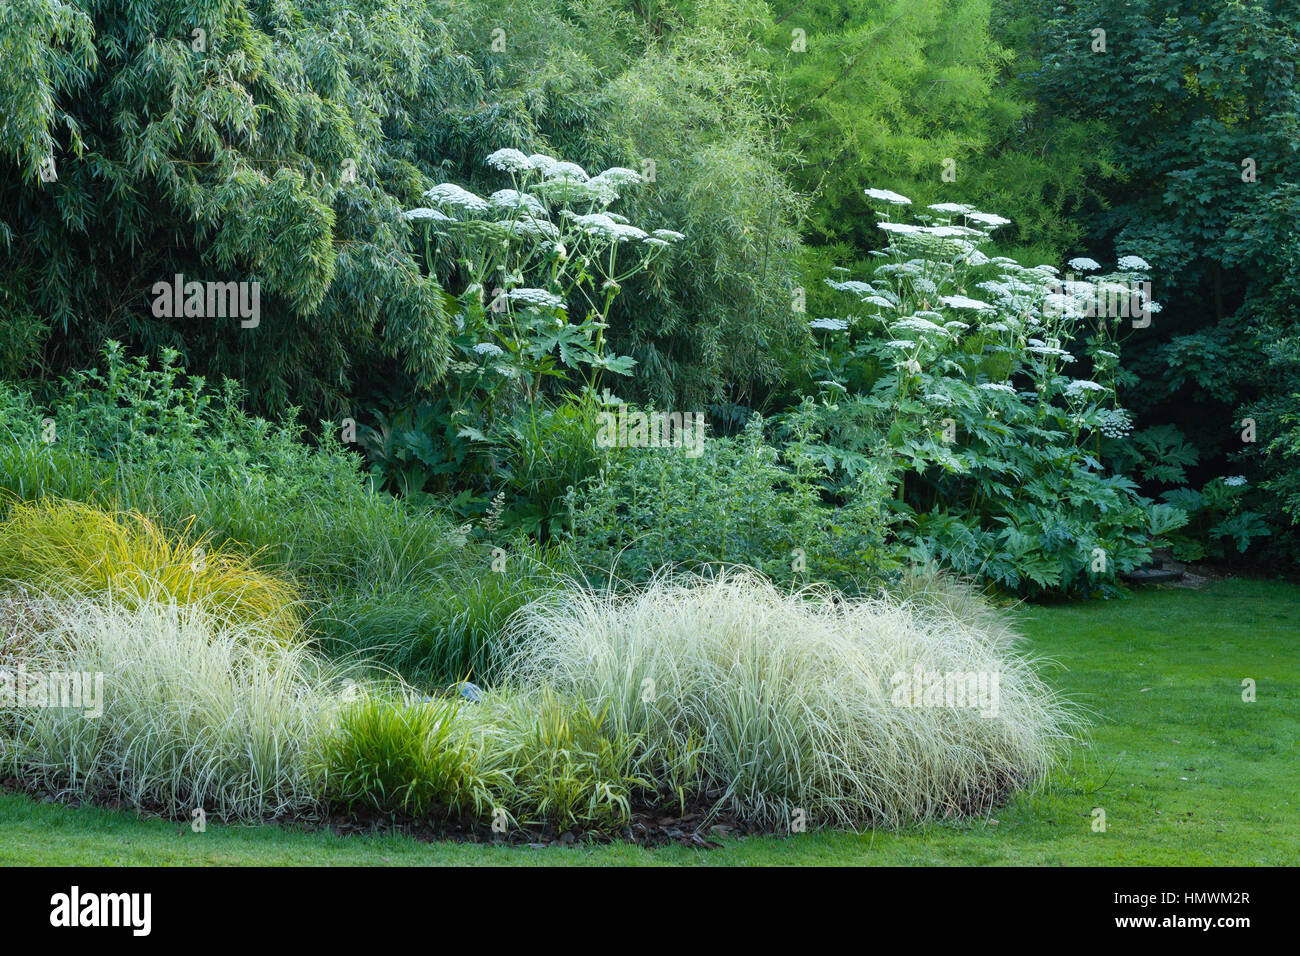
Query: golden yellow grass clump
pixel 71 547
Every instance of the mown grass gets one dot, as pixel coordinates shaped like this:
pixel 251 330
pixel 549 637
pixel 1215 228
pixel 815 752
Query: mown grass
pixel 1186 771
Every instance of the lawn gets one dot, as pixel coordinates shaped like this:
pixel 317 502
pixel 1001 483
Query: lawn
pixel 1186 772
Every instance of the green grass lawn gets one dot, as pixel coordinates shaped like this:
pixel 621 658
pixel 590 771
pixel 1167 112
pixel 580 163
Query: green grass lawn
pixel 1186 772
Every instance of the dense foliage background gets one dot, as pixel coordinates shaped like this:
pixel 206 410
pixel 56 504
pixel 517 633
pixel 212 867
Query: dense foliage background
pixel 295 144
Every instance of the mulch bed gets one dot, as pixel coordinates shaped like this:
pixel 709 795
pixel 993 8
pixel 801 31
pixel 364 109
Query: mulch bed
pixel 1200 574
pixel 648 827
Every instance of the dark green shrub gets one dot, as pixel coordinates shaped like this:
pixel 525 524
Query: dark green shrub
pixel 743 501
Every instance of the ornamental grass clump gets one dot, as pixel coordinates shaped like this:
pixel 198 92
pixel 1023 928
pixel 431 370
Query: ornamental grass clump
pixel 76 548
pixel 182 709
pixel 390 751
pixel 524 758
pixel 802 706
pixel 561 760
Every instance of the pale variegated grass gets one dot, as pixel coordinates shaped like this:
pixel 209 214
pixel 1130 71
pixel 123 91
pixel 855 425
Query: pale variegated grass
pixel 773 706
pixel 785 703
pixel 199 711
pixel 202 712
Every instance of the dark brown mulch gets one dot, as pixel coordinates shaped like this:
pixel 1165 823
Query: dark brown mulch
pixel 1199 574
pixel 648 827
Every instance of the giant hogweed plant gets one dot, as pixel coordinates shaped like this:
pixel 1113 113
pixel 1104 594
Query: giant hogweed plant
pixel 964 373
pixel 540 262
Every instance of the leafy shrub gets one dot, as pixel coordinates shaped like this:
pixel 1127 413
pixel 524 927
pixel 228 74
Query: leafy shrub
pixel 784 702
pixel 198 711
pixel 64 545
pixel 1210 195
pixel 1220 524
pixel 742 501
pixel 1274 462
pixel 153 439
pixel 546 452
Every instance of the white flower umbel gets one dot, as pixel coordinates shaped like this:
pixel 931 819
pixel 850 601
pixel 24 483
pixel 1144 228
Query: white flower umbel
pixel 988 219
pixel 905 228
pixel 510 160
pixel 1063 305
pixel 603 226
pixel 852 285
pixel 538 228
pixel 1134 264
pixel 924 326
pixel 566 170
pixel 424 213
pixel 513 200
pixel 536 298
pixel 886 195
pixel 829 325
pixel 1081 386
pixel 1041 348
pixel 541 162
pixel 1084 264
pixel 617 177
pixel 1115 423
pixel 451 196
pixel 962 302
